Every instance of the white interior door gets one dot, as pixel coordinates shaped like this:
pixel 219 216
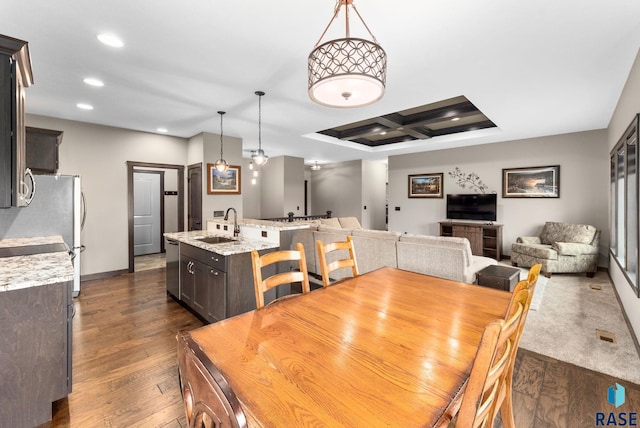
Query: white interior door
pixel 146 213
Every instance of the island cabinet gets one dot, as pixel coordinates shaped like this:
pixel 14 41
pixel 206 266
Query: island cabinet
pixel 215 286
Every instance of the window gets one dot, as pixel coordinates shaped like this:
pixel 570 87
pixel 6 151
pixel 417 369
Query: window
pixel 624 204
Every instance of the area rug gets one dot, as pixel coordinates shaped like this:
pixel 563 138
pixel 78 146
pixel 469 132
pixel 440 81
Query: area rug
pixel 564 326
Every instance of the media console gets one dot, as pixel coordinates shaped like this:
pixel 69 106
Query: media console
pixel 485 239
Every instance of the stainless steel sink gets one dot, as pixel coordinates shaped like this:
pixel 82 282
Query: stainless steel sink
pixel 215 239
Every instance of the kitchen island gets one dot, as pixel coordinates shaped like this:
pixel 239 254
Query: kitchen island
pixel 36 283
pixel 215 274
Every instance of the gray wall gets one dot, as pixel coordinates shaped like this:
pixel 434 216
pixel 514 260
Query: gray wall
pixel 374 195
pixel 99 155
pixel 583 160
pixel 282 187
pixel 628 106
pixel 272 186
pixel 338 187
pixel 250 192
pixel 233 156
pixel 293 186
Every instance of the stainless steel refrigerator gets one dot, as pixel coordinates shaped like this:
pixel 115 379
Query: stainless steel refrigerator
pixel 57 208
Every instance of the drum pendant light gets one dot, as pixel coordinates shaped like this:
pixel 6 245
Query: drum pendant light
pixel 347 72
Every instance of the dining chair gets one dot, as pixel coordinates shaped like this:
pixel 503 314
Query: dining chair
pixel 504 400
pixel 534 273
pixel 259 262
pixel 325 250
pixel 490 366
pixel 209 401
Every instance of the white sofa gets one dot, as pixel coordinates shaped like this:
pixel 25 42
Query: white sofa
pixel 444 257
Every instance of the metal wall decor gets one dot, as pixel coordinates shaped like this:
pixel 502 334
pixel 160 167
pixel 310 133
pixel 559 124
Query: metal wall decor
pixel 347 72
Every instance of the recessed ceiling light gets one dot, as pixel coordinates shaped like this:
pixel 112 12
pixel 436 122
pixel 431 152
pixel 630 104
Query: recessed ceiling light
pixel 383 133
pixel 92 81
pixel 453 119
pixel 111 40
pixel 84 106
pixel 163 130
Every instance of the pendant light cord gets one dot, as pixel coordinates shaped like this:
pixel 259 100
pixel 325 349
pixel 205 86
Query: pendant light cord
pixel 347 32
pixel 259 122
pixel 221 132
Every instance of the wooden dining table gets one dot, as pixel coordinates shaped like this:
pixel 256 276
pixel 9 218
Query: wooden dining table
pixel 388 348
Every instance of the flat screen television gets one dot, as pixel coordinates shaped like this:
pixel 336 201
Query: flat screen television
pixel 472 207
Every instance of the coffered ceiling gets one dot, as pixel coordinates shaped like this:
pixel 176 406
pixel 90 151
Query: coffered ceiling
pixel 530 68
pixel 446 117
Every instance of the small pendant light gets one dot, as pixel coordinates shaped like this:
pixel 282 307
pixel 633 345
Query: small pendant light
pixel 257 156
pixel 221 164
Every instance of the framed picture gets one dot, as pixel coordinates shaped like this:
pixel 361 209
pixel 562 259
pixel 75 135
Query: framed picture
pixel 425 185
pixel 223 183
pixel 532 182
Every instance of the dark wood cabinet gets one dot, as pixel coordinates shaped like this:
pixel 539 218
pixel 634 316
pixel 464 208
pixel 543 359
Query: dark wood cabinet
pixel 217 289
pixel 35 352
pixel 15 76
pixel 42 150
pixel 215 286
pixel 485 239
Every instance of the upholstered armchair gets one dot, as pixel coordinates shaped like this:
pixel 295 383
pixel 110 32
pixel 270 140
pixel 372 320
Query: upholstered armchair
pixel 561 247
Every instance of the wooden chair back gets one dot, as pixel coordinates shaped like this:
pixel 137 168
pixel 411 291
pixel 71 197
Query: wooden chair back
pixel 534 273
pixel 209 401
pixel 326 268
pixel 480 391
pixel 522 295
pixel 262 285
pixel 484 386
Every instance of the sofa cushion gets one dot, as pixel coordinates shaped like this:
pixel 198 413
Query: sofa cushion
pixel 566 232
pixel 331 229
pixel 349 223
pixel 377 234
pixel 574 249
pixel 436 260
pixel 373 253
pixel 540 251
pixel 332 222
pixel 442 241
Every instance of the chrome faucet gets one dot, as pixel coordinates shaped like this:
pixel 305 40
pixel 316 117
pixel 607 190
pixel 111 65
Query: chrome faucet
pixel 236 228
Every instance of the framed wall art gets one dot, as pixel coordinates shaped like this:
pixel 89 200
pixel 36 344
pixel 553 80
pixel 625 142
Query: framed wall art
pixel 425 185
pixel 223 183
pixel 531 182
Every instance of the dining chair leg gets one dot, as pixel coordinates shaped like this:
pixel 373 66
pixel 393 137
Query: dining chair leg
pixel 506 409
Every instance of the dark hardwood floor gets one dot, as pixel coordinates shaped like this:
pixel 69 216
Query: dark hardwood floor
pixel 124 355
pixel 125 371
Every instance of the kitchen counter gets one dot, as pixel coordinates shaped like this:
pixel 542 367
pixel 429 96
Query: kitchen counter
pixel 267 224
pixel 33 270
pixel 238 246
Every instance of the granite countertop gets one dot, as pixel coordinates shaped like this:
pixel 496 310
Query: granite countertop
pixel 267 224
pixel 239 245
pixel 34 270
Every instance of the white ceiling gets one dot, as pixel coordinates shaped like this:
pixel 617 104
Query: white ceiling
pixel 534 67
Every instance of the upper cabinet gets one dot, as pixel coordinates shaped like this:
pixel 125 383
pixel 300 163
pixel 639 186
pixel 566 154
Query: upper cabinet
pixel 15 75
pixel 42 150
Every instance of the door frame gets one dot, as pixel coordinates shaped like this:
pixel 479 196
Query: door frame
pixel 161 174
pixel 130 170
pixel 198 166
